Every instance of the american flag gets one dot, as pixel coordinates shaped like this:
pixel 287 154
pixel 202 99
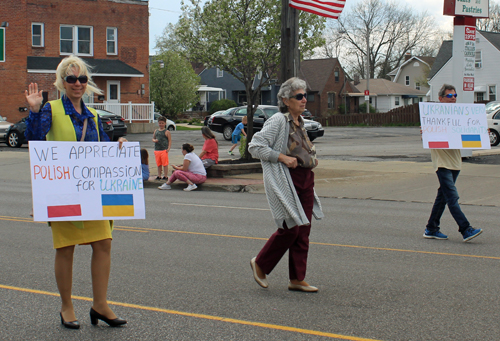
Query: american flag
pixel 326 8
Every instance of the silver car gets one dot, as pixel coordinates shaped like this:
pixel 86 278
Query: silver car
pixel 4 127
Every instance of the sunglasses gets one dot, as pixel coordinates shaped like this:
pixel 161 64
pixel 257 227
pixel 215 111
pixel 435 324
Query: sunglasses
pixel 451 95
pixel 72 79
pixel 299 97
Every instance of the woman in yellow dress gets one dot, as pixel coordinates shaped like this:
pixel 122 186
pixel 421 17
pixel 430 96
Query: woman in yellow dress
pixel 68 119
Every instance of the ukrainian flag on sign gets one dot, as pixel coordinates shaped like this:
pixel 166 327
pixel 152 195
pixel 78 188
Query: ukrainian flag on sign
pixel 117 205
pixel 471 141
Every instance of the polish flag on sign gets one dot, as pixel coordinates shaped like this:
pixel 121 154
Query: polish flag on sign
pixel 325 8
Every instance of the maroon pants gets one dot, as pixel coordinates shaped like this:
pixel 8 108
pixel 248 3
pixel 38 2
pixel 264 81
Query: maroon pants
pixel 295 239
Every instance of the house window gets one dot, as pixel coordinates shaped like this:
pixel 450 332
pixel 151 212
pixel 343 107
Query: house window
pixel 396 100
pixel 492 92
pixel 76 40
pixel 479 96
pixel 336 74
pixel 220 73
pixel 310 97
pixel 111 40
pixel 407 80
pixel 37 35
pixel 479 61
pixel 417 86
pixel 331 100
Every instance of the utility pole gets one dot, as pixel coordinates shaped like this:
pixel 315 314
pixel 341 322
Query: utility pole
pixel 289 42
pixel 368 70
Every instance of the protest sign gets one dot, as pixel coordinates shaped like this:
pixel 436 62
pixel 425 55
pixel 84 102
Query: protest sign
pixel 454 126
pixel 81 181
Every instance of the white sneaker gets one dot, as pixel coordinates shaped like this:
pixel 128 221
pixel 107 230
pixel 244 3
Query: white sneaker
pixel 191 187
pixel 164 186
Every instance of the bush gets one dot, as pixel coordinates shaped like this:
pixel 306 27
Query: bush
pixel 243 145
pixel 222 104
pixel 362 109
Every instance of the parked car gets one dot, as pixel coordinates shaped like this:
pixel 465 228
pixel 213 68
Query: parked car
pixel 493 119
pixel 4 128
pixel 492 106
pixel 170 124
pixel 307 114
pixel 119 126
pixel 227 121
pixel 15 135
pixel 217 113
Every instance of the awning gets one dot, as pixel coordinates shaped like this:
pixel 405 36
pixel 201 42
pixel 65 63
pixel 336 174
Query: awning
pixel 208 88
pixel 480 88
pixel 100 67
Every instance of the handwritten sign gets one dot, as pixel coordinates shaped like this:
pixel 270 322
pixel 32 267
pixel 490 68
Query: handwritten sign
pixel 454 126
pixel 86 181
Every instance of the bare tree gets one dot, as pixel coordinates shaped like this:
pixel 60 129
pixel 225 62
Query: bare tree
pixel 385 31
pixel 492 24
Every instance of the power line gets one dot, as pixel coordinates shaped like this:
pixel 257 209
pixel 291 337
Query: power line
pixel 166 10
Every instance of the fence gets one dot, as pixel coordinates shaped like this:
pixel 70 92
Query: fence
pixel 129 111
pixel 403 115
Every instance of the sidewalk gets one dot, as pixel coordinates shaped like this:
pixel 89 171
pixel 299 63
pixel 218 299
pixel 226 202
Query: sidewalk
pixel 382 180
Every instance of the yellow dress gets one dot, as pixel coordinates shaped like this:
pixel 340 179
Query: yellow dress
pixel 64 233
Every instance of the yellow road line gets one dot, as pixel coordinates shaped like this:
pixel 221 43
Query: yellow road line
pixel 144 229
pixel 201 316
pixel 215 206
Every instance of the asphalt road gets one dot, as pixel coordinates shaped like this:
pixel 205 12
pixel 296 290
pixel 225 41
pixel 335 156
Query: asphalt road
pixel 184 274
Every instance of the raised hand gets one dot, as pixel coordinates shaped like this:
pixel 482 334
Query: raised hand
pixel 34 97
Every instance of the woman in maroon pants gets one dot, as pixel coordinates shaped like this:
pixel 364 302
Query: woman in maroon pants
pixel 287 157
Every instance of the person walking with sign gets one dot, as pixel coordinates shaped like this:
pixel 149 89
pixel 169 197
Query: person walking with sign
pixel 447 164
pixel 68 119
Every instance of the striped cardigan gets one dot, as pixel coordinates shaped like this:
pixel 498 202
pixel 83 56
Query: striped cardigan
pixel 284 203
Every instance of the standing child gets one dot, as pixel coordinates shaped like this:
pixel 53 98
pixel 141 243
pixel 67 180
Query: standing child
pixel 163 141
pixel 236 137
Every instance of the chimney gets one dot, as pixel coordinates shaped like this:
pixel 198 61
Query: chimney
pixel 407 56
pixel 356 79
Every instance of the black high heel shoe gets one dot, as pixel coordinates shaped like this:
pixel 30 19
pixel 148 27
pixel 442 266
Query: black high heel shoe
pixel 70 325
pixel 95 316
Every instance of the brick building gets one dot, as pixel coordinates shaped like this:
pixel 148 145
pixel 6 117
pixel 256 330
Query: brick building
pixel 328 87
pixel 111 35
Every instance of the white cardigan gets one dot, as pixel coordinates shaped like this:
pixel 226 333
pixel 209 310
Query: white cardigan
pixel 283 200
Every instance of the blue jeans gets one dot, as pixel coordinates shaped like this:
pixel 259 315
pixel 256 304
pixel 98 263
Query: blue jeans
pixel 447 195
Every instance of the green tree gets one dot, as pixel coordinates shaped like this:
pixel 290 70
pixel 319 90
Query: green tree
pixel 242 37
pixel 173 83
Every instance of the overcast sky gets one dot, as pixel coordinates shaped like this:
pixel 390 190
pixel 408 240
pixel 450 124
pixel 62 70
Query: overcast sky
pixel 163 12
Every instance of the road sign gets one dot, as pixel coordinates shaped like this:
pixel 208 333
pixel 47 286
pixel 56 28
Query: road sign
pixel 367 92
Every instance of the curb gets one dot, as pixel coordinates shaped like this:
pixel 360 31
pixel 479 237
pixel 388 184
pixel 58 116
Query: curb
pixel 213 187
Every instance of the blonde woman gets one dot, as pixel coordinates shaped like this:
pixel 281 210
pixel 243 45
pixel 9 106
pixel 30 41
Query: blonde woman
pixel 68 119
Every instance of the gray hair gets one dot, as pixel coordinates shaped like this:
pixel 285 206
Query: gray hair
pixel 287 89
pixel 445 87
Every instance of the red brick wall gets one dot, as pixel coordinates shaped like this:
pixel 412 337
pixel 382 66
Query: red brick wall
pixel 130 18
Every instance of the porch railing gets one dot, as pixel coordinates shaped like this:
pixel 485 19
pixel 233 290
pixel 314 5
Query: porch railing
pixel 129 111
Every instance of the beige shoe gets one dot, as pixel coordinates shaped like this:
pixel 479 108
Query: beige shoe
pixel 261 281
pixel 305 288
